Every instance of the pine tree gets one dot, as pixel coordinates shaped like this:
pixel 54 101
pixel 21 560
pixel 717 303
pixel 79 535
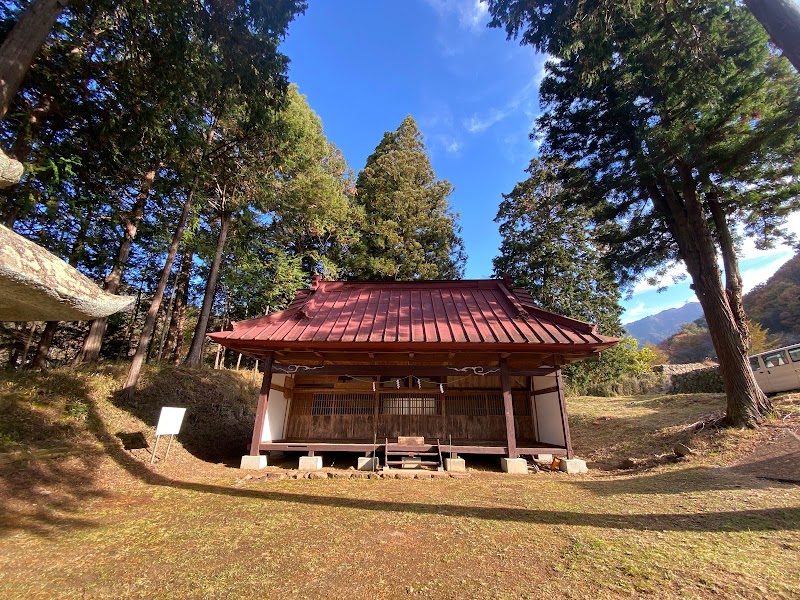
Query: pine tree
pixel 409 230
pixel 675 125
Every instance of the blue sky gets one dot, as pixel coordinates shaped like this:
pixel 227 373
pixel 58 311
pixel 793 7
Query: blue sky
pixel 365 65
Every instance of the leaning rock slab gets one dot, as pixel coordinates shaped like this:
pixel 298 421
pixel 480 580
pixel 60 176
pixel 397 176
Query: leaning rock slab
pixel 38 286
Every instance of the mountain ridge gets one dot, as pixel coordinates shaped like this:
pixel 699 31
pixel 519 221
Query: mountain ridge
pixel 660 326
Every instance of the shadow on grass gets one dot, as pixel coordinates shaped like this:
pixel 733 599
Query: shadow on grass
pixel 42 419
pixel 745 520
pixel 220 408
pixel 607 441
pixel 63 513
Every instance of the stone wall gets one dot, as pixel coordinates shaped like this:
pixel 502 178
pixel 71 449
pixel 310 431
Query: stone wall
pixel 688 378
pixel 695 381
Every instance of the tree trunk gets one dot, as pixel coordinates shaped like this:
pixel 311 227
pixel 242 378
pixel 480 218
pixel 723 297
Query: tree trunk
pixel 167 319
pixel 52 326
pixel 746 403
pixel 23 43
pixel 28 342
pixel 14 348
pixel 44 344
pixel 195 357
pixel 174 344
pixel 129 387
pixel 90 351
pixel 781 19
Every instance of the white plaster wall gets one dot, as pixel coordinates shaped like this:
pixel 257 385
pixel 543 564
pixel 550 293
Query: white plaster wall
pixel 277 406
pixel 548 412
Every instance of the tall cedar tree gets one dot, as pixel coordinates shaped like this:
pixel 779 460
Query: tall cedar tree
pixel 409 231
pixel 781 19
pixel 674 124
pixel 547 248
pixel 246 76
pixel 301 193
pixel 313 217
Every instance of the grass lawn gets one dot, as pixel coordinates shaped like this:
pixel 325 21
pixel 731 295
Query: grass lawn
pixel 84 518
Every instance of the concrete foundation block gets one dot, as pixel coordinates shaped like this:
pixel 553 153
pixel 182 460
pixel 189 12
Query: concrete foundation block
pixel 253 462
pixel 516 466
pixel 368 463
pixel 543 458
pixel 573 466
pixel 456 465
pixel 310 463
pixel 410 462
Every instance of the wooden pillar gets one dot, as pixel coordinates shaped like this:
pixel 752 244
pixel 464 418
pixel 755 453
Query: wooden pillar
pixel 563 404
pixel 261 411
pixel 508 407
pixel 534 413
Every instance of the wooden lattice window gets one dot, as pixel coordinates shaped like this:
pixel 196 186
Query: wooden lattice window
pixel 342 404
pixel 487 404
pixel 403 403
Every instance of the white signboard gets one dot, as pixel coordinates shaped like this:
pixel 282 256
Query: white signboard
pixel 169 422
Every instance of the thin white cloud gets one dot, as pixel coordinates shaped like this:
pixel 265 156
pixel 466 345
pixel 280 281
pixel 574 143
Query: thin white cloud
pixel 752 277
pixel 471 16
pixel 476 124
pixel 445 142
pixel 749 249
pixel 642 310
pixel 524 101
pixel 676 271
pixel 632 314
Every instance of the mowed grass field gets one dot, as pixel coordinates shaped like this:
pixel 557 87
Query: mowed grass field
pixel 84 518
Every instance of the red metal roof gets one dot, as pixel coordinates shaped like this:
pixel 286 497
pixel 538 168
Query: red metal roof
pixel 415 315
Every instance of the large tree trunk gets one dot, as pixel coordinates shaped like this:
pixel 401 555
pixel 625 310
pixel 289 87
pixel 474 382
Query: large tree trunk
pixel 90 351
pixel 174 343
pixel 45 342
pixel 195 357
pixel 23 43
pixel 781 19
pixel 746 403
pixel 129 387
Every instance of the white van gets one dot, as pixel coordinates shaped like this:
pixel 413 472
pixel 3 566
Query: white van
pixel 777 370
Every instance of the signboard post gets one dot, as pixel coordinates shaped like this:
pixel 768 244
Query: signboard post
pixel 169 423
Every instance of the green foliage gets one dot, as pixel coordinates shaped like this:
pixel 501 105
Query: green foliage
pixel 550 249
pixel 408 229
pixel 313 216
pixel 644 91
pixel 623 360
pixel 674 124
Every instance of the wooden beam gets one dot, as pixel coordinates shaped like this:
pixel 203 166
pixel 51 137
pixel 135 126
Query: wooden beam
pixel 261 411
pixel 548 390
pixel 401 370
pixel 508 409
pixel 564 421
